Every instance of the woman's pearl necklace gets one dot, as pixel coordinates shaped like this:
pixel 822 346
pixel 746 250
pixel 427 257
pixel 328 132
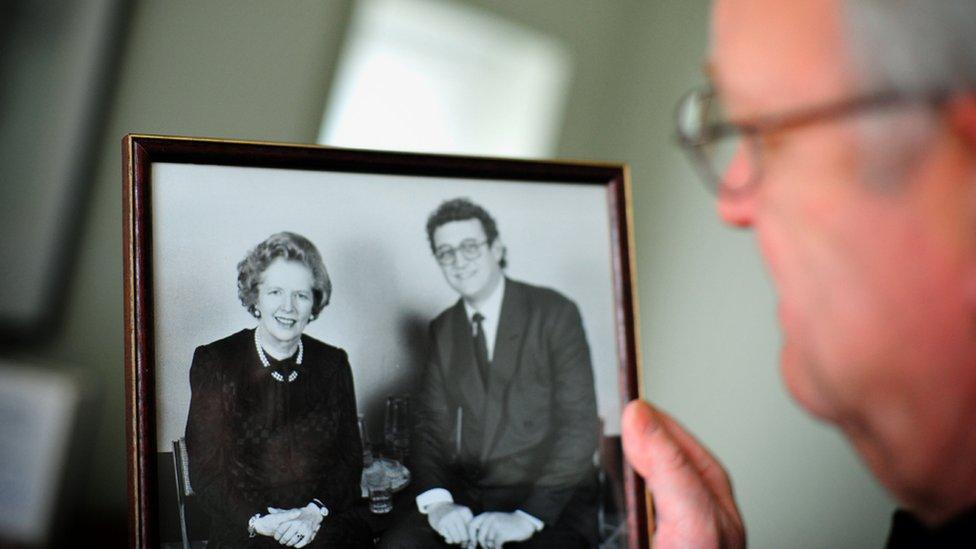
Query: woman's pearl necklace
pixel 264 359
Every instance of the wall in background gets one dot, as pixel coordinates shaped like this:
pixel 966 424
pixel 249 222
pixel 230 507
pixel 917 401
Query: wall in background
pixel 252 69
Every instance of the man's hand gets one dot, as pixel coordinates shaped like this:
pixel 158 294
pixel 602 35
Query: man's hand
pixel 693 501
pixel 492 530
pixel 267 524
pixel 450 520
pixel 300 530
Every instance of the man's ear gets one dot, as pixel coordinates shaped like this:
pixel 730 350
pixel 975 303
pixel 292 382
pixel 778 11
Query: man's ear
pixel 497 249
pixel 961 110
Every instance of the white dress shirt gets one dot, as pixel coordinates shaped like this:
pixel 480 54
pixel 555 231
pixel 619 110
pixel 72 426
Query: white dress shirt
pixel 491 309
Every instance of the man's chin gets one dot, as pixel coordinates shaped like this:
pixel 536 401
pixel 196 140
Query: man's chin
pixel 796 371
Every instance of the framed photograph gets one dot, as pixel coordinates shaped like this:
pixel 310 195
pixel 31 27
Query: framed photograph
pixel 333 347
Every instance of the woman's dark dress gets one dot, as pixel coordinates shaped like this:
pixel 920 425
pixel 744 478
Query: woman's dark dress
pixel 255 443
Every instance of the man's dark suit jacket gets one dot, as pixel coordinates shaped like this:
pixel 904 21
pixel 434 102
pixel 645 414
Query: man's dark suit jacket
pixel 528 438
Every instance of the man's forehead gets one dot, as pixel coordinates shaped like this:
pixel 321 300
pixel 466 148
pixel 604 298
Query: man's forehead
pixel 453 232
pixel 774 55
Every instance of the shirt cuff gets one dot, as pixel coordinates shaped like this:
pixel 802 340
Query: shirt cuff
pixel 538 524
pixel 432 496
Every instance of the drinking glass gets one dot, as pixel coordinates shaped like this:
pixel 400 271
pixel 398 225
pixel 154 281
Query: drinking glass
pixel 378 486
pixel 364 439
pixel 396 430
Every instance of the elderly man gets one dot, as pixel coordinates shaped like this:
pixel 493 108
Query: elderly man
pixel 850 129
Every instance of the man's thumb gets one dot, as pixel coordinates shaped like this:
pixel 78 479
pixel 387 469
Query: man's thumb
pixel 652 451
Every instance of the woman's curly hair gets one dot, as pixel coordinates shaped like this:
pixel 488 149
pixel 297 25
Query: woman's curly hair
pixel 293 247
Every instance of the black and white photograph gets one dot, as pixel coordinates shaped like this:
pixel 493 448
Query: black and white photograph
pixel 431 353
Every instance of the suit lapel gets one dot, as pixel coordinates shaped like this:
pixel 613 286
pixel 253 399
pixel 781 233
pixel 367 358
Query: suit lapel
pixel 504 361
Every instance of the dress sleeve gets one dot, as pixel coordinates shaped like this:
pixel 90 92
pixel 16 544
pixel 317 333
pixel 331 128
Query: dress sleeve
pixel 209 442
pixel 340 488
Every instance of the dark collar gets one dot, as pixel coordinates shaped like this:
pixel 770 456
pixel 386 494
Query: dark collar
pixel 907 531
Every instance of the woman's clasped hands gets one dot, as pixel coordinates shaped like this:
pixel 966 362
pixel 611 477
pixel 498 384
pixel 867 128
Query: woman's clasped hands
pixel 291 527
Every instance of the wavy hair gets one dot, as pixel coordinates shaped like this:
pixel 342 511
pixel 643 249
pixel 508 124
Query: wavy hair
pixel 292 247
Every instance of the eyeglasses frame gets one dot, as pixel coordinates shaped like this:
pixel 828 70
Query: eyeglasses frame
pixel 454 253
pixel 751 130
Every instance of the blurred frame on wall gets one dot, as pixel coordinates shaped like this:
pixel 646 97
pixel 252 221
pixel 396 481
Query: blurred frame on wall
pixel 56 63
pixel 193 208
pixel 41 436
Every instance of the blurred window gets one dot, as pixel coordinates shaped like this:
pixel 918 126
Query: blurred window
pixel 37 413
pixel 425 75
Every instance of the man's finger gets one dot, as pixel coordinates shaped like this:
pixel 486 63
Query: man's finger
pixel 473 526
pixel 479 533
pixel 456 530
pixel 461 523
pixel 657 456
pixel 486 533
pixel 476 521
pixel 443 528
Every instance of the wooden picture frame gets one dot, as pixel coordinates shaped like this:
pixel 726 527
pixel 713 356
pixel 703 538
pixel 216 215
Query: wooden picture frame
pixel 194 207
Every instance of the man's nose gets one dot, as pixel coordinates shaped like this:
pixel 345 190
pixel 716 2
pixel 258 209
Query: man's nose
pixel 737 195
pixel 737 208
pixel 460 261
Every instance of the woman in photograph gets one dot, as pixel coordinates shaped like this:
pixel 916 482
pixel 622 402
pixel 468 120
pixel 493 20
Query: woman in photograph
pixel 272 435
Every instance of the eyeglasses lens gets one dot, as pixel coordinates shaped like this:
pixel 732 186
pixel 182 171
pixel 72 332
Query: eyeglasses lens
pixel 445 257
pixel 470 249
pixel 724 158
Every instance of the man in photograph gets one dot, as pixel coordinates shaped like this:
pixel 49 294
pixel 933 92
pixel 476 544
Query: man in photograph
pixel 855 166
pixel 506 422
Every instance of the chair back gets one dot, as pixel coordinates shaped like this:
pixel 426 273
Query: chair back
pixel 611 509
pixel 182 463
pixel 181 466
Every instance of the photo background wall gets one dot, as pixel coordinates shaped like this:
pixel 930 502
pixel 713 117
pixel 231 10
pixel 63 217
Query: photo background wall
pixel 387 286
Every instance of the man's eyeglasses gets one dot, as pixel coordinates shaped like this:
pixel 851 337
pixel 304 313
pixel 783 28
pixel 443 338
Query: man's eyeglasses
pixel 470 249
pixel 713 141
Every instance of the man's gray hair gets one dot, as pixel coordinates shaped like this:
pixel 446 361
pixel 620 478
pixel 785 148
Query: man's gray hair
pixel 912 47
